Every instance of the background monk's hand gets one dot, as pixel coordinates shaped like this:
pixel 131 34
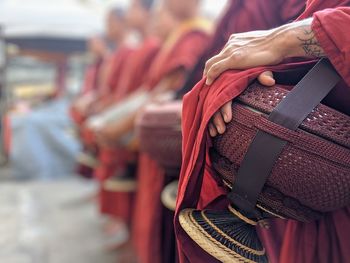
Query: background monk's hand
pixel 260 48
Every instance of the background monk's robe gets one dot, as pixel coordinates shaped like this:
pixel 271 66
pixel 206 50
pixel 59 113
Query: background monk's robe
pixel 180 51
pixel 90 84
pixel 114 72
pixel 198 189
pixel 114 159
pixel 108 76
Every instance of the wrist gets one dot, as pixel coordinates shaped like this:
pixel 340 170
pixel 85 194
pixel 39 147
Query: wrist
pixel 298 40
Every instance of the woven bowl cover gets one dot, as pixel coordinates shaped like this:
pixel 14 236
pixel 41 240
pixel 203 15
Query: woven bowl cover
pixel 312 174
pixel 159 131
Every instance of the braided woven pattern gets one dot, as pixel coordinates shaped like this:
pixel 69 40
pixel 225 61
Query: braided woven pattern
pixel 159 130
pixel 312 174
pixel 323 121
pixel 224 236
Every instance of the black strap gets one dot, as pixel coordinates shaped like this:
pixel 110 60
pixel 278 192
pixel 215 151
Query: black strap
pixel 265 148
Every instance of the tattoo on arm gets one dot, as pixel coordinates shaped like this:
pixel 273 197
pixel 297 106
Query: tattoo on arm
pixel 309 43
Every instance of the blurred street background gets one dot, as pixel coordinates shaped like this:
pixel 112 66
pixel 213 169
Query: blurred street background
pixel 48 214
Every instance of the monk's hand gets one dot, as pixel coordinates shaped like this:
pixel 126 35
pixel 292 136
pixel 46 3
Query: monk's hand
pixel 245 50
pixel 260 48
pixel 217 124
pixel 264 48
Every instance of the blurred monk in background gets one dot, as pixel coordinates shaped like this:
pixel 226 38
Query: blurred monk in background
pixel 116 199
pixel 98 75
pixel 177 56
pixel 98 49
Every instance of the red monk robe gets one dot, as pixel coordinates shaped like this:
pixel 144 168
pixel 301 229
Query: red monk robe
pixel 90 85
pixel 181 51
pixel 99 80
pixel 109 74
pixel 114 72
pixel 137 67
pixel 200 105
pixel 114 159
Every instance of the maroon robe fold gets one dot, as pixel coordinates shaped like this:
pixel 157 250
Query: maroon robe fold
pixel 198 189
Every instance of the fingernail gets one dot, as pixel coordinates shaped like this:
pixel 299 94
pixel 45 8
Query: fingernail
pixel 225 117
pixel 219 129
pixel 211 131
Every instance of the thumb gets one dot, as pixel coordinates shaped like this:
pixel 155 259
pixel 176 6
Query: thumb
pixel 266 78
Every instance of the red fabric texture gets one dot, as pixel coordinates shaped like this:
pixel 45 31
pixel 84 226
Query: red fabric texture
pixel 137 68
pixel 91 77
pixel 119 58
pixel 148 211
pixel 111 159
pixel 199 106
pixel 116 205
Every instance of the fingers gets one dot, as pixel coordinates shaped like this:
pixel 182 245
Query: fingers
pixel 212 130
pixel 216 69
pixel 226 112
pixel 217 124
pixel 211 62
pixel 266 79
